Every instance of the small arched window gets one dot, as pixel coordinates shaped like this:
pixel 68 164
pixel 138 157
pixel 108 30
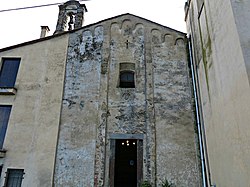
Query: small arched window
pixel 127 79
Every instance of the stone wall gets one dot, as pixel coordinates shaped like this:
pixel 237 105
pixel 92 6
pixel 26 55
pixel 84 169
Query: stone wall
pixel 173 105
pixel 95 108
pixel 79 119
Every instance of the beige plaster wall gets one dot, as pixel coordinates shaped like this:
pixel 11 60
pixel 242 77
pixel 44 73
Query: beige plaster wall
pixel 32 132
pixel 224 90
pixel 241 12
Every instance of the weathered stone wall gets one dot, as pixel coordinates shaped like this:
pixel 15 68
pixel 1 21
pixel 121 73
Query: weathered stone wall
pixel 32 132
pixel 79 119
pixel 173 103
pixel 128 106
pixel 95 108
pixel 220 56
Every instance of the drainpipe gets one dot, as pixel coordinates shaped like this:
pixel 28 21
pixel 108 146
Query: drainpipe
pixel 204 180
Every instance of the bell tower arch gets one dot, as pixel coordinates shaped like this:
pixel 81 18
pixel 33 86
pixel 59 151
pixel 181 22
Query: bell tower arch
pixel 71 16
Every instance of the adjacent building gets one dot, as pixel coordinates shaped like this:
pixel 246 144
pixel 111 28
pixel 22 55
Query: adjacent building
pixel 219 37
pixel 107 104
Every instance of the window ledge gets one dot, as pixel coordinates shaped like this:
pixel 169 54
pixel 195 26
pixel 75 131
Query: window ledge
pixel 8 91
pixel 2 153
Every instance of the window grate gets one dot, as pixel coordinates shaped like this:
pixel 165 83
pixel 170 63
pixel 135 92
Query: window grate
pixel 14 178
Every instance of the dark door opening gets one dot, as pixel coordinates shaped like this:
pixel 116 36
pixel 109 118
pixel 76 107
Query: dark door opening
pixel 125 174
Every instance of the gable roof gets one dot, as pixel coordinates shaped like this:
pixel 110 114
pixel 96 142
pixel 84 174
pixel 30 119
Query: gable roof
pixel 84 27
pixel 128 14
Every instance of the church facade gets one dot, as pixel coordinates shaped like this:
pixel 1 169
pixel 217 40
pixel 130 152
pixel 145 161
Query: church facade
pixel 108 104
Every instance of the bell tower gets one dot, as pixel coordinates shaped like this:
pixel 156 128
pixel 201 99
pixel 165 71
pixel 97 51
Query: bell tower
pixel 71 16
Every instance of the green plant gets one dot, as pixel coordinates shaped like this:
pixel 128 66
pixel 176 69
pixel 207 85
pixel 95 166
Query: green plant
pixel 145 184
pixel 165 183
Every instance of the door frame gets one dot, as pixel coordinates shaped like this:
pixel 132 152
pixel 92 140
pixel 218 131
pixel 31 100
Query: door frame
pixel 113 138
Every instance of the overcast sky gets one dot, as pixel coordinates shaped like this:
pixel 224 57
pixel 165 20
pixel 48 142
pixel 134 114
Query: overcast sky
pixel 24 25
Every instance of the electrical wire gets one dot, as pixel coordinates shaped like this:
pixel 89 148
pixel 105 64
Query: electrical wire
pixel 38 6
pixel 29 7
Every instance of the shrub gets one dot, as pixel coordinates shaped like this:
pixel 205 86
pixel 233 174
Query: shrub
pixel 145 184
pixel 165 183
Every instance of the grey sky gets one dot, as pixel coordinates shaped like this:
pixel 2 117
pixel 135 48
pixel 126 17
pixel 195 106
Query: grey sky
pixel 24 25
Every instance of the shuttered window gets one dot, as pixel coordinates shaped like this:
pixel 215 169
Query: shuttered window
pixel 14 178
pixel 4 119
pixel 8 72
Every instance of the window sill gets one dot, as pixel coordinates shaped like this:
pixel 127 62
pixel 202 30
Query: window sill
pixel 2 153
pixel 8 91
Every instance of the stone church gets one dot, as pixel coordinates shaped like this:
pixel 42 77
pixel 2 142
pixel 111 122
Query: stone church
pixel 105 105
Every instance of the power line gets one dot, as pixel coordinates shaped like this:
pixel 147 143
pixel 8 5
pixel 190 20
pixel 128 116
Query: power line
pixel 29 7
